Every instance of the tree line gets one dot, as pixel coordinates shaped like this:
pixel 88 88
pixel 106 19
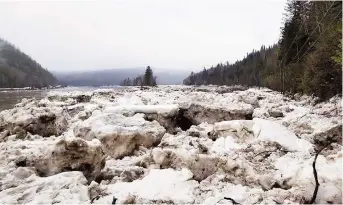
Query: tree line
pixel 148 79
pixel 258 68
pixel 307 58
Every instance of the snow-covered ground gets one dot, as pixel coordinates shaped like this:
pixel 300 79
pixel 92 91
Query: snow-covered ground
pixel 170 144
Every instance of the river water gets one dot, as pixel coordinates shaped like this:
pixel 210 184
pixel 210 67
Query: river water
pixel 8 98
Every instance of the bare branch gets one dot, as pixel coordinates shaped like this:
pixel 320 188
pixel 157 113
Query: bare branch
pixel 232 200
pixel 314 196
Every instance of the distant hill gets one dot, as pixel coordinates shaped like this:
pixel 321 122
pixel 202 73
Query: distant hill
pixel 19 70
pixel 115 76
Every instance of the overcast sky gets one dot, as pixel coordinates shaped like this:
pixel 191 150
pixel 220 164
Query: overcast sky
pixel 165 34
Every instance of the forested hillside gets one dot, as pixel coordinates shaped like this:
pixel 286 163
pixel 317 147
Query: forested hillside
pixel 258 68
pixel 18 69
pixel 307 58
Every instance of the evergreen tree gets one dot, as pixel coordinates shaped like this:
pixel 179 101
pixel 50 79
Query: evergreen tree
pixel 148 77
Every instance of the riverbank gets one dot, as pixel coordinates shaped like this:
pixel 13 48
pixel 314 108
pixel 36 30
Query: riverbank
pixel 170 144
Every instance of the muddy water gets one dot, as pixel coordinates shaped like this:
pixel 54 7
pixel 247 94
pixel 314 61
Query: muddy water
pixel 8 98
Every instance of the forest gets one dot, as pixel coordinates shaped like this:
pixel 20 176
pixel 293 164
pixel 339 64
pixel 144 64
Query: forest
pixel 307 59
pixel 19 70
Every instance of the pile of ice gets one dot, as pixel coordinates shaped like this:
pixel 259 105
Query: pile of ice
pixel 170 144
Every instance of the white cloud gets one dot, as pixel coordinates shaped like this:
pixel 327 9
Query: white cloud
pixel 183 34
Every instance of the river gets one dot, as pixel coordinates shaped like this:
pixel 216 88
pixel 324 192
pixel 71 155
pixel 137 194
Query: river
pixel 8 98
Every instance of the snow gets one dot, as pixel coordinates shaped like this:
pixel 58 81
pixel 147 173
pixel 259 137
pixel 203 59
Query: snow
pixel 105 124
pixel 223 144
pixel 239 193
pixel 231 131
pixel 297 170
pixel 266 130
pixel 159 185
pixel 300 168
pixel 128 140
pixel 147 109
pixel 120 134
pixel 63 188
pixel 238 125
